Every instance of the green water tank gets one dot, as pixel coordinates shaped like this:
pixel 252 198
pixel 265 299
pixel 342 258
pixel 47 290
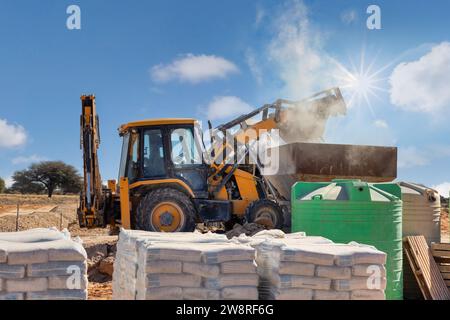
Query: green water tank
pixel 351 210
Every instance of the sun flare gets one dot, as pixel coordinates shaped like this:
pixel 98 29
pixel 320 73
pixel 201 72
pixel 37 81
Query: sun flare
pixel 361 84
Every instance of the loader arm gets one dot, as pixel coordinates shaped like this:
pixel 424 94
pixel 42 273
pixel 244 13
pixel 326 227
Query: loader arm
pixel 246 133
pixel 90 211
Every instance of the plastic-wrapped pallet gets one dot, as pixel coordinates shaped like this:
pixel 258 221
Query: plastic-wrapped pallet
pixel 42 264
pixel 184 266
pixel 189 270
pixel 126 262
pixel 305 268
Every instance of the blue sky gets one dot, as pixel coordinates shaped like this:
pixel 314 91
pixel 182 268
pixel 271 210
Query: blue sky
pixel 150 59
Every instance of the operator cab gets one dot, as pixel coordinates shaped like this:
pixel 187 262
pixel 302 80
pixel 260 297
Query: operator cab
pixel 162 149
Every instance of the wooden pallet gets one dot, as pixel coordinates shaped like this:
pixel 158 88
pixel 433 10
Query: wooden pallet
pixel 425 269
pixel 441 254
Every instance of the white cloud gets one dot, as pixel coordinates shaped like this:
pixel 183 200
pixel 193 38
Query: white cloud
pixel 194 69
pixel 349 16
pixel 380 124
pixel 226 107
pixel 297 52
pixel 11 135
pixel 443 189
pixel 27 159
pixel 423 85
pixel 254 66
pixel 260 15
pixel 410 157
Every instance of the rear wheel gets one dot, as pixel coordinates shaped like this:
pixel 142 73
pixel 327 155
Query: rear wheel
pixel 265 212
pixel 166 210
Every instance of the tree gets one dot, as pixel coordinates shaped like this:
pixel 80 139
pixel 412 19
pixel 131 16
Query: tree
pixel 2 185
pixel 48 176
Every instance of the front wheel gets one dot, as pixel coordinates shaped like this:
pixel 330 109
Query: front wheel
pixel 166 210
pixel 266 212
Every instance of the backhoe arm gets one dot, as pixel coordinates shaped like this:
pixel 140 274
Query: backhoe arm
pixel 92 197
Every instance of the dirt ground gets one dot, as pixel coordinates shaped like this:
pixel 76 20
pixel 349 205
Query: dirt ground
pixel 100 291
pixel 38 211
pixel 60 211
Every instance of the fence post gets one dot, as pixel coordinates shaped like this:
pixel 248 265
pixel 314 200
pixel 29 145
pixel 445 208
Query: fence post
pixel 17 218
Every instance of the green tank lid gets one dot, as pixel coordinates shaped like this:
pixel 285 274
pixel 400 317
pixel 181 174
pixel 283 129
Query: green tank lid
pixel 353 210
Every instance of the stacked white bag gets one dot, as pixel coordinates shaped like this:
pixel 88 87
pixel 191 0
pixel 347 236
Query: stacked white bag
pixel 152 265
pixel 42 264
pixel 297 267
pixel 196 271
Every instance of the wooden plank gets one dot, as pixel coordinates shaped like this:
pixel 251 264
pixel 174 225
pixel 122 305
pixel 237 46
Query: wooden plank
pixel 441 253
pixel 442 260
pixel 416 271
pixel 444 268
pixel 425 269
pixel 441 246
pixel 445 275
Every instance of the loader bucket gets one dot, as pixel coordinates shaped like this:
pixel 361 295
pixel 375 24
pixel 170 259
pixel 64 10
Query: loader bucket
pixel 326 162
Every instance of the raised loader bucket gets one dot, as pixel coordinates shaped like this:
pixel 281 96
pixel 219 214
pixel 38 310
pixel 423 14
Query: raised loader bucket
pixel 325 162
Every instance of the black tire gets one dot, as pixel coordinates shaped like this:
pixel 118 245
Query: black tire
pixel 154 199
pixel 265 209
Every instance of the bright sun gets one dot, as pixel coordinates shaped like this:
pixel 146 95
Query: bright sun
pixel 361 83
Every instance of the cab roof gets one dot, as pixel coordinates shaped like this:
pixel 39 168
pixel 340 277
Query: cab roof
pixel 156 122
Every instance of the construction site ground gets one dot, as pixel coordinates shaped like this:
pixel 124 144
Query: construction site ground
pixel 39 211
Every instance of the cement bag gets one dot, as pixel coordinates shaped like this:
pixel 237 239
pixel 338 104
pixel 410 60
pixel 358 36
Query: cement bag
pixel 42 252
pixel 358 283
pixel 231 280
pixel 288 281
pixel 58 295
pixel 200 294
pixel 149 251
pixel 218 253
pixel 355 253
pixel 164 293
pixel 239 293
pixel 238 267
pixel 173 237
pixel 365 270
pixel 172 280
pixel 34 235
pixel 315 254
pixel 200 269
pixel 164 266
pixel 296 268
pixel 334 272
pixel 367 295
pixel 67 282
pixel 55 268
pixel 331 295
pixel 26 285
pixel 3 255
pixel 294 294
pixel 11 296
pixel 11 272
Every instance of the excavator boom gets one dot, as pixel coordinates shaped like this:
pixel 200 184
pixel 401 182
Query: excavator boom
pixel 92 196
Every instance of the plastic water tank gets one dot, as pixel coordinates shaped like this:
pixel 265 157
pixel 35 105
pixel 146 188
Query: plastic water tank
pixel 421 211
pixel 351 210
pixel 421 216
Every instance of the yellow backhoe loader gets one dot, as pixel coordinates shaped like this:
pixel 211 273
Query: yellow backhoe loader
pixel 170 181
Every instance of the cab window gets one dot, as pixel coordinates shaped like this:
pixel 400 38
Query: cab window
pixel 153 154
pixel 185 150
pixel 133 157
